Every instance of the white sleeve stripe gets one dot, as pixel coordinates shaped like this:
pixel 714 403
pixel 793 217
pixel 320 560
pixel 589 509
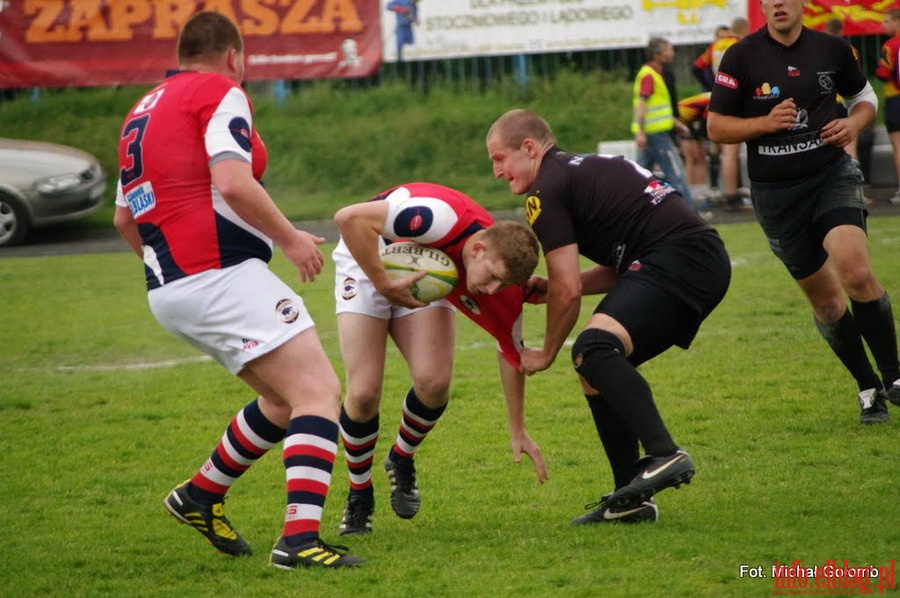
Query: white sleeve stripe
pixel 866 95
pixel 218 136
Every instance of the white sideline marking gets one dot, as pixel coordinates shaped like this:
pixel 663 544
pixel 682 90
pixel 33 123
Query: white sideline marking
pixel 111 367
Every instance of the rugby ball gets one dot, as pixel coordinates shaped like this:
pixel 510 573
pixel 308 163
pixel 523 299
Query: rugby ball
pixel 405 258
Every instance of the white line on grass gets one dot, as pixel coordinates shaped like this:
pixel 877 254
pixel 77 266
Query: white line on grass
pixel 114 367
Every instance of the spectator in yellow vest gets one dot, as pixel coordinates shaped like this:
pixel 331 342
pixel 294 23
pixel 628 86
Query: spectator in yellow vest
pixel 654 120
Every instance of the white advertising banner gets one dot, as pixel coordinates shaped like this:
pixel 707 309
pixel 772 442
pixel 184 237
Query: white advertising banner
pixel 460 28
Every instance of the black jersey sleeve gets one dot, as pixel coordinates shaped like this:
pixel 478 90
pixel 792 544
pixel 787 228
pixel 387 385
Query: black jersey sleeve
pixel 850 78
pixel 547 209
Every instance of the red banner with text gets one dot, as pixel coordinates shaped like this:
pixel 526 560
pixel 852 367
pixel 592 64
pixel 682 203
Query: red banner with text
pixel 860 17
pixel 84 43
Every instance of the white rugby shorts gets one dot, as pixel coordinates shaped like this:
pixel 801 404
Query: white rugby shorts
pixel 234 315
pixel 354 293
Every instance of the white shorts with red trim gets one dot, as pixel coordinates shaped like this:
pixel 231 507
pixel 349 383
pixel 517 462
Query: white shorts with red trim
pixel 234 315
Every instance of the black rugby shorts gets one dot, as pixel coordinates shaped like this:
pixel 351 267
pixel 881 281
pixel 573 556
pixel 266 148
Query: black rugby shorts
pixel 663 301
pixel 797 215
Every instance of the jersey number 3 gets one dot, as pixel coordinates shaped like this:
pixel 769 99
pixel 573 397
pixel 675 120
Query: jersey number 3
pixel 134 132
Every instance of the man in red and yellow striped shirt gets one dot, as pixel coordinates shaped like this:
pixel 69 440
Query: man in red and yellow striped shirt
pixel 887 71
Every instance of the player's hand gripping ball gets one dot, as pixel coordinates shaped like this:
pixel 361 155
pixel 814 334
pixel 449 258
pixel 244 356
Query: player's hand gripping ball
pixel 405 258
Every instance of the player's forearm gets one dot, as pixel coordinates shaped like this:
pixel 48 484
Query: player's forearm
pixel 513 383
pixel 360 231
pixel 734 129
pixel 861 115
pixel 250 201
pixel 640 112
pixel 128 229
pixel 598 280
pixel 563 307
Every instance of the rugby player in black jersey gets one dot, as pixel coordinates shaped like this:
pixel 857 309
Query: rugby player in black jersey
pixel 776 89
pixel 662 270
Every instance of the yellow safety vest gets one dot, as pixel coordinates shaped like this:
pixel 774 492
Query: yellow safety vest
pixel 658 116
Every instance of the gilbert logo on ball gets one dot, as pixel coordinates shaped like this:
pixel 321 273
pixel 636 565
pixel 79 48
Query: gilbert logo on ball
pixel 405 258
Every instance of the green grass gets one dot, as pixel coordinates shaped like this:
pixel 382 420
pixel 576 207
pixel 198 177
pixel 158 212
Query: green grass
pixel 93 439
pixel 329 147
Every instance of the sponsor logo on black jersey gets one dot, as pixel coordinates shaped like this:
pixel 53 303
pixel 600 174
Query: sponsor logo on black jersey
pixel 726 80
pixel 658 190
pixel 793 71
pixel 532 208
pixel 766 91
pixel 619 255
pixel 826 81
pixel 796 144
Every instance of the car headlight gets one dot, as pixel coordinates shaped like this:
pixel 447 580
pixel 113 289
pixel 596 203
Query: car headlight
pixel 60 183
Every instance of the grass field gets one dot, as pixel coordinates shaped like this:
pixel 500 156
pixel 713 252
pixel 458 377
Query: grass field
pixel 102 412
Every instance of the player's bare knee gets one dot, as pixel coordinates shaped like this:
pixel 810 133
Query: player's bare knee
pixel 363 395
pixel 433 393
pixel 860 284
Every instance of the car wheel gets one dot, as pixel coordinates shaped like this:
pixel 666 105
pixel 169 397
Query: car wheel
pixel 14 224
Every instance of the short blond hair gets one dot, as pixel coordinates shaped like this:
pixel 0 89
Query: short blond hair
pixel 517 247
pixel 517 125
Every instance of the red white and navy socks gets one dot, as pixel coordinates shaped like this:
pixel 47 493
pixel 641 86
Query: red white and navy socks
pixel 359 439
pixel 310 447
pixel 248 437
pixel 417 421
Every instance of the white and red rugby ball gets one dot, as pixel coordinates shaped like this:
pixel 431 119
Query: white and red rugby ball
pixel 405 258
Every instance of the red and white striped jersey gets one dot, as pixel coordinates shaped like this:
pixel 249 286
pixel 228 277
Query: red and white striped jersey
pixel 169 140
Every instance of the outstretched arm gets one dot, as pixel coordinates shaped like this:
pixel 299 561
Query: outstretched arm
pixel 513 383
pixel 563 307
pixel 598 280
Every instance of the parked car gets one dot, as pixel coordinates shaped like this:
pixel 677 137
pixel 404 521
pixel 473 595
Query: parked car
pixel 43 184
